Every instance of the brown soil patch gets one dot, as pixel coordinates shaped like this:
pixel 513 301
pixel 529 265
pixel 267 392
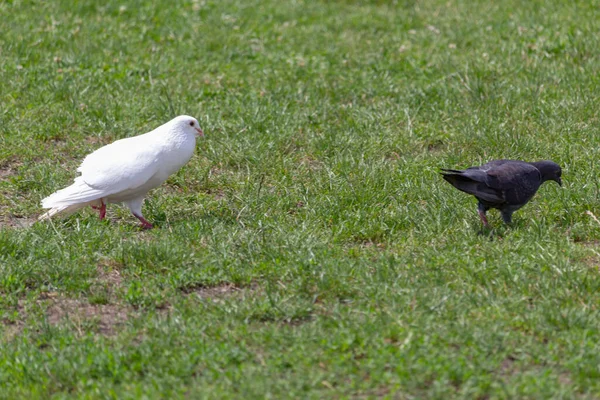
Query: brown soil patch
pixel 217 194
pixel 593 259
pixel 377 393
pixel 436 146
pixel 392 156
pixel 17 222
pixel 108 273
pixel 13 328
pixel 219 291
pixel 592 262
pixel 9 168
pixel 588 243
pixel 107 317
pixel 507 366
pixel 208 292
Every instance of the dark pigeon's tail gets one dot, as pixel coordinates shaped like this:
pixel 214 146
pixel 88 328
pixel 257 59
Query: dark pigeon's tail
pixel 455 177
pixel 472 181
pixel 450 171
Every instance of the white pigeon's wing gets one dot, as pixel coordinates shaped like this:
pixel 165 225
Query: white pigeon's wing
pixel 122 165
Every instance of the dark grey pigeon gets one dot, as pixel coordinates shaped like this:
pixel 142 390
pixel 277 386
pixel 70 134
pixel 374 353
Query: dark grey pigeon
pixel 506 185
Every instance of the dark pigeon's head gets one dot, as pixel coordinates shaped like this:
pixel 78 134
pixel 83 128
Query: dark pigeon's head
pixel 550 171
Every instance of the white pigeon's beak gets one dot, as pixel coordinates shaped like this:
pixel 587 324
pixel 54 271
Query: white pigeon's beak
pixel 200 132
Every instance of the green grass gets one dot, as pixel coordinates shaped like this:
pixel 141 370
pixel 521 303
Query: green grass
pixel 310 248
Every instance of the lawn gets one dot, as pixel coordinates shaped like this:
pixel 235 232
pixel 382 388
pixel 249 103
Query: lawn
pixel 310 248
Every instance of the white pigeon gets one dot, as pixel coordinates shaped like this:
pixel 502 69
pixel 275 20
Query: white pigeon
pixel 124 171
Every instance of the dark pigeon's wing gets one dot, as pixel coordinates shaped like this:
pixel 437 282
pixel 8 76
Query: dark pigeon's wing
pixel 495 164
pixel 474 181
pixel 517 180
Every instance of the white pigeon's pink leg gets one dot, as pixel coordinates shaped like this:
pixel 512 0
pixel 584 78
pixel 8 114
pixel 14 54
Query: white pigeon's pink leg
pixel 101 209
pixel 145 223
pixel 135 206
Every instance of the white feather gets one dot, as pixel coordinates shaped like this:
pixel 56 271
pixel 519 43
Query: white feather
pixel 78 192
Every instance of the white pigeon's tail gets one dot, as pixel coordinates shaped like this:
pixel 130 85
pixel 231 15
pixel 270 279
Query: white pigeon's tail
pixel 71 199
pixel 62 210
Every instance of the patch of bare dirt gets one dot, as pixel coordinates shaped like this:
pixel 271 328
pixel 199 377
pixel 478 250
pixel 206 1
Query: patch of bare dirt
pixel 294 210
pixel 12 330
pixel 217 194
pixel 17 222
pixel 14 327
pixel 377 393
pixel 9 167
pixel 107 317
pixel 507 366
pixel 57 147
pixel 392 156
pixel 208 292
pixel 108 273
pixel 104 318
pixel 592 262
pixel 435 146
pixel 588 243
pixel 217 292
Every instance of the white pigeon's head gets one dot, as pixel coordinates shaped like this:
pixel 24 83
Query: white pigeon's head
pixel 187 124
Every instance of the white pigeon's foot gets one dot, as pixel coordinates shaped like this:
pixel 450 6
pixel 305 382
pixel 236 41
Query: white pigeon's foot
pixel 145 223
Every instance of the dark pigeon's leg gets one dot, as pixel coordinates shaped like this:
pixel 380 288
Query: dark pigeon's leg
pixel 481 209
pixel 506 216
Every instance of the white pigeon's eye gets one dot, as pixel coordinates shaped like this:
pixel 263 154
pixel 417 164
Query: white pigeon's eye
pixel 191 123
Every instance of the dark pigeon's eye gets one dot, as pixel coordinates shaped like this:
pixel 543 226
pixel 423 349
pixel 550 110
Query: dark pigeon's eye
pixel 191 123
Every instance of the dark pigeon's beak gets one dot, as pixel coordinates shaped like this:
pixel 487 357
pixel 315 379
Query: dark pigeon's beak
pixel 559 181
pixel 200 132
